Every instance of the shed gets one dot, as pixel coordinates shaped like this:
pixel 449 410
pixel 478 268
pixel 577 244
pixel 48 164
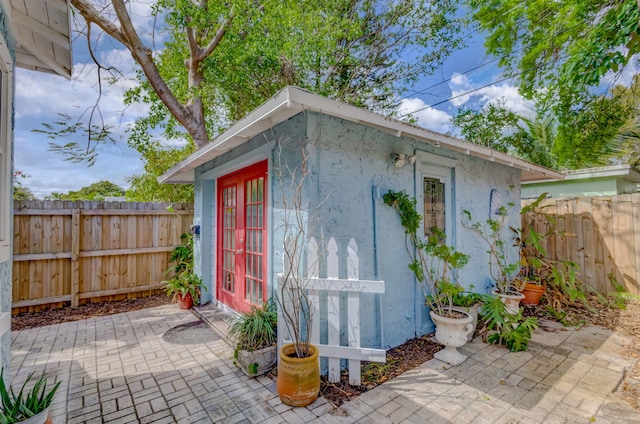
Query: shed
pixel 353 156
pixel 600 181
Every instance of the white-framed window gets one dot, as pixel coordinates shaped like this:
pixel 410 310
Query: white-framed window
pixel 6 177
pixel 435 194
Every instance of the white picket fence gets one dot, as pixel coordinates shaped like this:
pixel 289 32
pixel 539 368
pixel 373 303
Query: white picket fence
pixel 334 286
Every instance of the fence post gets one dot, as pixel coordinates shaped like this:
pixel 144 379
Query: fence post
pixel 75 257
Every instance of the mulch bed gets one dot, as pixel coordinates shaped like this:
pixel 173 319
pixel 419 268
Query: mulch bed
pixel 400 359
pixel 28 320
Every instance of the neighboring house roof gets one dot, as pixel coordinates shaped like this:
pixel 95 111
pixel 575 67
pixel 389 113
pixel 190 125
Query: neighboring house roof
pixel 42 31
pixel 627 172
pixel 292 100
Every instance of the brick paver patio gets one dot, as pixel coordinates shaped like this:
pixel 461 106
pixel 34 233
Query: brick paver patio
pixel 128 368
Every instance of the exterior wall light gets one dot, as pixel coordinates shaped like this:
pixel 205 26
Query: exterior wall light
pixel 401 160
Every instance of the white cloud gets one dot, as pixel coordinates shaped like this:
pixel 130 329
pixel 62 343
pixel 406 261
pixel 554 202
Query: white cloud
pixel 460 84
pixel 428 117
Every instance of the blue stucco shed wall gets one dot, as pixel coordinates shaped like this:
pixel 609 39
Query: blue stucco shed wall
pixel 350 168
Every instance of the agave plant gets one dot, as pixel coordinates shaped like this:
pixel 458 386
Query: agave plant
pixel 26 403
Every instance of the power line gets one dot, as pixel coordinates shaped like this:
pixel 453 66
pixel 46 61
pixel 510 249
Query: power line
pixel 475 68
pixel 479 88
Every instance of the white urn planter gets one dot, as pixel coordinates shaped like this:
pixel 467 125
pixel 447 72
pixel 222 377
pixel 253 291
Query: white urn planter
pixel 452 333
pixel 473 311
pixel 511 301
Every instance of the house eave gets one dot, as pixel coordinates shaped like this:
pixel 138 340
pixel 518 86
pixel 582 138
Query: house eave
pixel 43 34
pixel 618 171
pixel 292 100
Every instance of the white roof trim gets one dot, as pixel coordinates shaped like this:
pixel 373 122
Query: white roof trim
pixel 623 171
pixel 43 34
pixel 292 100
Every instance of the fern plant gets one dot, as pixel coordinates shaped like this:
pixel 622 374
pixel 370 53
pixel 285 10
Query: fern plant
pixel 26 403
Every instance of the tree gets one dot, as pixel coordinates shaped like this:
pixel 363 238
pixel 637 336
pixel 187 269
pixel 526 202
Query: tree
pixel 94 192
pixel 493 126
pixel 560 47
pixel 530 138
pixel 157 160
pixel 21 192
pixel 223 58
pixel 593 136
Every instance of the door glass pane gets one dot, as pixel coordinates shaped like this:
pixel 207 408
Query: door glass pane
pixel 254 210
pixel 228 238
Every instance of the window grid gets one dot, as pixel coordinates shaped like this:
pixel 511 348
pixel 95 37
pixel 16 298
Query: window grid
pixel 434 206
pixel 229 239
pixel 254 227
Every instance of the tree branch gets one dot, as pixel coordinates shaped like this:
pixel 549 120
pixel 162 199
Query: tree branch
pixel 91 14
pixel 128 36
pixel 216 39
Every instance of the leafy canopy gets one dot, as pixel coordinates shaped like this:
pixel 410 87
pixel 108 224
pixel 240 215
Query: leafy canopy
pixel 361 52
pixel 216 61
pixel 93 192
pixel 563 47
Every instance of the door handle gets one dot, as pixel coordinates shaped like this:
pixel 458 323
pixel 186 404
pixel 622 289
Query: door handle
pixel 239 251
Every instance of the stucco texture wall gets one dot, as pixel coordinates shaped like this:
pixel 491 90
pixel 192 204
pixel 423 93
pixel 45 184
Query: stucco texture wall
pixel 350 167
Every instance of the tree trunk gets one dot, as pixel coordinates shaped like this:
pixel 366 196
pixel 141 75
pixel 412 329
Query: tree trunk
pixel 190 116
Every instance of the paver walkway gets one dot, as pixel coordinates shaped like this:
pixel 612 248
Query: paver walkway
pixel 130 368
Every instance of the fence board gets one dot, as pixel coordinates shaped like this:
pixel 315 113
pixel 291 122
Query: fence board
pixel 75 252
pixel 606 241
pixel 635 202
pixel 624 245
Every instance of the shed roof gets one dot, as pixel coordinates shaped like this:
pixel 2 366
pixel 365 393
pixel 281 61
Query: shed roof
pixel 292 100
pixel 42 30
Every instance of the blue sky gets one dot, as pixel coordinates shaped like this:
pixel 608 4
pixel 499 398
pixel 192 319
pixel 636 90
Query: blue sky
pixel 40 97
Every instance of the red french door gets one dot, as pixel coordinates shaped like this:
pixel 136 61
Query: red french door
pixel 242 238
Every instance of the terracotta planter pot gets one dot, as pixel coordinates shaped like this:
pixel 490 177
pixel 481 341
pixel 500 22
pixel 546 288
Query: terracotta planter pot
pixel 452 333
pixel 185 302
pixel 532 294
pixel 298 378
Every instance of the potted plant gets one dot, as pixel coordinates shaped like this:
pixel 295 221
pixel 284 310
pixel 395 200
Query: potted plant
pixel 435 265
pixel 27 406
pixel 254 333
pixel 504 272
pixel 532 252
pixel 469 302
pixel 185 289
pixel 185 286
pixel 298 366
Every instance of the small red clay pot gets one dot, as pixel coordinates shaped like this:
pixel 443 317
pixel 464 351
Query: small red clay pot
pixel 185 302
pixel 532 294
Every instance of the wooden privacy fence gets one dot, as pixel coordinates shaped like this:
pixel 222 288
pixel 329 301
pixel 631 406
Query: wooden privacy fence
pixel 600 234
pixel 333 286
pixel 91 251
